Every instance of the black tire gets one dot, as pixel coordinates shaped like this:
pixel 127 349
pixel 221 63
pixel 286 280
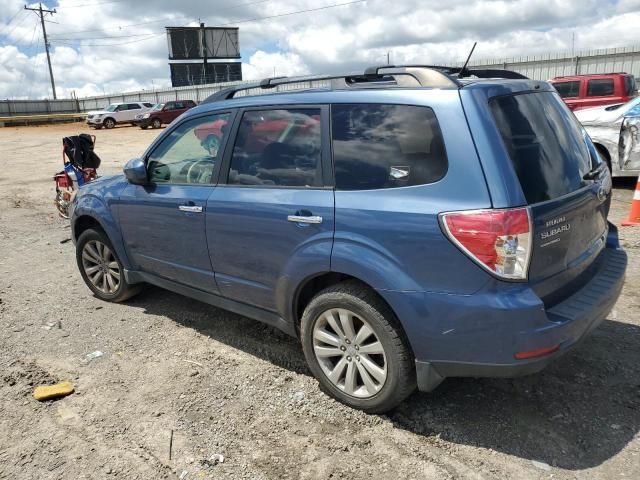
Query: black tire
pixel 144 127
pixel 156 123
pixel 109 123
pixel 97 127
pixel 124 289
pixel 400 381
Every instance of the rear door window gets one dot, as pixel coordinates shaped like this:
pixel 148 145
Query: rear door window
pixel 386 146
pixel 545 144
pixel 601 87
pixel 278 148
pixel 567 89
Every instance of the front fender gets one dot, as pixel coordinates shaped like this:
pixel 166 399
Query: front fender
pixel 94 207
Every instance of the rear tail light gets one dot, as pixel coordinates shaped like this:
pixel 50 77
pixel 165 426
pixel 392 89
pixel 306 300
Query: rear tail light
pixel 498 240
pixel 63 180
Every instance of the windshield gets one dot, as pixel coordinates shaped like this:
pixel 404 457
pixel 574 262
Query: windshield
pixel 157 107
pixel 633 108
pixel 111 108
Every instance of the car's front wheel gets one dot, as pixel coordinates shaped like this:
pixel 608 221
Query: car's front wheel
pixel 101 268
pixel 109 123
pixel 356 349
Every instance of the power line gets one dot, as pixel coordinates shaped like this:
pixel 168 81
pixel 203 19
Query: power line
pixel 6 25
pixel 91 4
pixel 165 19
pixel 291 13
pixel 153 35
pixel 16 25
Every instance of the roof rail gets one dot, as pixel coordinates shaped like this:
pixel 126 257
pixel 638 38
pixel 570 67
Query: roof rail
pixel 399 75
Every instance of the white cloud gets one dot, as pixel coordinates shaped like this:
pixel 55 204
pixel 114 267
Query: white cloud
pixel 338 39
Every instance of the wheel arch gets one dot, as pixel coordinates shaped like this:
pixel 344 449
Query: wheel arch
pixel 310 286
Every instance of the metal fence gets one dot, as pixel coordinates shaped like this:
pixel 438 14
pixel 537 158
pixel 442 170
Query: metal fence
pixel 538 67
pixel 28 107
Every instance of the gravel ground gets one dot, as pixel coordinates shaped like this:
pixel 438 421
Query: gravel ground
pixel 224 384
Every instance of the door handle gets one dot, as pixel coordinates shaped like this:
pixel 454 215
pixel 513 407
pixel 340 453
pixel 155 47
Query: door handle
pixel 305 219
pixel 190 208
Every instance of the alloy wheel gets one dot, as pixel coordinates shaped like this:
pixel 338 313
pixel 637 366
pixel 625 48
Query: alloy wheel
pixel 101 267
pixel 349 353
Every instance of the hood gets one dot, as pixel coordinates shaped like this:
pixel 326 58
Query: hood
pixel 97 112
pixel 599 115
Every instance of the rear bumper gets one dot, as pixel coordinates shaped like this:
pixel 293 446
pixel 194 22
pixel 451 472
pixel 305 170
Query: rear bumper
pixel 484 331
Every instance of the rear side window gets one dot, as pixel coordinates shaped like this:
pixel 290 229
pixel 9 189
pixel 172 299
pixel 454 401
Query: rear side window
pixel 601 87
pixel 386 146
pixel 133 106
pixel 278 148
pixel 148 105
pixel 545 143
pixel 567 89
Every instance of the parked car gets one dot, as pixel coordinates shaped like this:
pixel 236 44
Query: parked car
pixel 404 235
pixel 614 130
pixel 117 113
pixel 585 91
pixel 163 113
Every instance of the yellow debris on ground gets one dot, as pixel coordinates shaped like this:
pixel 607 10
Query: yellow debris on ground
pixel 50 392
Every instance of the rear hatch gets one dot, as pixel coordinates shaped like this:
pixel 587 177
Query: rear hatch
pixel 565 185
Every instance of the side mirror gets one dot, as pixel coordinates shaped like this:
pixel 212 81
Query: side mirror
pixel 136 172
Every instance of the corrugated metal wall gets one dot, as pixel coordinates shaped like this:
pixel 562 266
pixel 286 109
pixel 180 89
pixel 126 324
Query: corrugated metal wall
pixel 545 67
pixel 538 67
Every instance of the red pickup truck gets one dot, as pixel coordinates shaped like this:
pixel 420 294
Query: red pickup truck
pixel 585 91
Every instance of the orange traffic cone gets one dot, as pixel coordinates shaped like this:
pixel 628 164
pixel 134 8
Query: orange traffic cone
pixel 634 214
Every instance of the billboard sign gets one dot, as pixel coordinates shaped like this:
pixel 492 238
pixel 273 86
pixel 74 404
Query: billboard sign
pixel 197 43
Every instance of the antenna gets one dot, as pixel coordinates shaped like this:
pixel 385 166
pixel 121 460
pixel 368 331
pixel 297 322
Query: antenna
pixel 461 74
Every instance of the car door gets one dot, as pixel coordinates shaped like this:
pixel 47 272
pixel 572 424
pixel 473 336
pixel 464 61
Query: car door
pixel 132 110
pixel 163 222
pixel 270 220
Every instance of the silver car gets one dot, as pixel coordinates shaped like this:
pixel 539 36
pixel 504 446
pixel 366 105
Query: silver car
pixel 614 130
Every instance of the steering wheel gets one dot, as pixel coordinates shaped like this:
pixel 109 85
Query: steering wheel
pixel 197 174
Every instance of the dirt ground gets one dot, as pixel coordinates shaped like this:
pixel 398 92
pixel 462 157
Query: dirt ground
pixel 224 384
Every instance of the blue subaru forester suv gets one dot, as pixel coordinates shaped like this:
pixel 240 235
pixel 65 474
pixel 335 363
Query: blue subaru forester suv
pixel 407 224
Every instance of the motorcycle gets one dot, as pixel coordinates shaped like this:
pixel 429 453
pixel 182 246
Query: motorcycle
pixel 80 167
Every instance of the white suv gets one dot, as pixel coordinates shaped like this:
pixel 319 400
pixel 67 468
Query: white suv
pixel 117 113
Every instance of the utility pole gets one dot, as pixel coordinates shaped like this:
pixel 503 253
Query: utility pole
pixel 204 54
pixel 40 12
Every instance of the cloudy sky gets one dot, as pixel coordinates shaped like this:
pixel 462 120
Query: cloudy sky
pixel 120 45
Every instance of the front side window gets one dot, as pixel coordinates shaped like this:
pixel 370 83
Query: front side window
pixel 567 89
pixel 190 153
pixel 600 87
pixel 278 148
pixel 386 146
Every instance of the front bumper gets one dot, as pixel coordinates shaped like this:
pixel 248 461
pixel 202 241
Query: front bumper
pixel 142 122
pixel 478 335
pixel 94 121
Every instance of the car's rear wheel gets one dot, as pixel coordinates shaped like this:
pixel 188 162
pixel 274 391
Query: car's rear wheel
pixel 356 349
pixel 109 123
pixel 156 123
pixel 101 268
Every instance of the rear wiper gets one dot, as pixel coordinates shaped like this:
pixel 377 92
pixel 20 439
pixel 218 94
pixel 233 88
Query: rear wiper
pixel 594 173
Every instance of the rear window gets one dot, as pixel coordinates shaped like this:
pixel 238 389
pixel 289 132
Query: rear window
pixel 386 146
pixel 545 143
pixel 567 89
pixel 600 88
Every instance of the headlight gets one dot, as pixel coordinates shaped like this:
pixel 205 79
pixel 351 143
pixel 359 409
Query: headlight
pixel 146 115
